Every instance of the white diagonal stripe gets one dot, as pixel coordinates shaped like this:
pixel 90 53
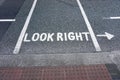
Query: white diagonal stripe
pixel 20 39
pixel 92 34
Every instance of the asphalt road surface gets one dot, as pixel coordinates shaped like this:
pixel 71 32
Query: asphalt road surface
pixel 8 10
pixel 61 26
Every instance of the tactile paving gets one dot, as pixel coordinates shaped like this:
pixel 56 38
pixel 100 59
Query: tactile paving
pixel 91 72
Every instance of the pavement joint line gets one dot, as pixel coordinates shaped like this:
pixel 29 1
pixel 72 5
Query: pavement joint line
pixel 7 20
pixel 92 34
pixel 20 39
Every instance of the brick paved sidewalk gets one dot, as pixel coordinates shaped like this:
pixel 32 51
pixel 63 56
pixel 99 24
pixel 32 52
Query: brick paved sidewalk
pixel 89 72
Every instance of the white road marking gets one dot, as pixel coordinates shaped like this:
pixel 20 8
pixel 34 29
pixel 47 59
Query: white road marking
pixel 20 39
pixel 111 17
pixel 7 20
pixel 92 34
pixel 107 35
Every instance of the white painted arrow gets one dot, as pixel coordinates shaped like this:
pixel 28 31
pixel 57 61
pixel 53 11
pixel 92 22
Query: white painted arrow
pixel 108 35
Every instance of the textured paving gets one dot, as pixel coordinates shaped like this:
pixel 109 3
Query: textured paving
pixel 91 72
pixel 114 72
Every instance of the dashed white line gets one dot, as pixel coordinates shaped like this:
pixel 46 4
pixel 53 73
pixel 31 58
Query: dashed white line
pixel 7 20
pixel 112 17
pixel 20 39
pixel 92 34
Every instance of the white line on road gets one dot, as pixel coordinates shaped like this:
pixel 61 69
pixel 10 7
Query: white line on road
pixel 92 34
pixel 111 17
pixel 20 39
pixel 7 20
pixel 108 35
